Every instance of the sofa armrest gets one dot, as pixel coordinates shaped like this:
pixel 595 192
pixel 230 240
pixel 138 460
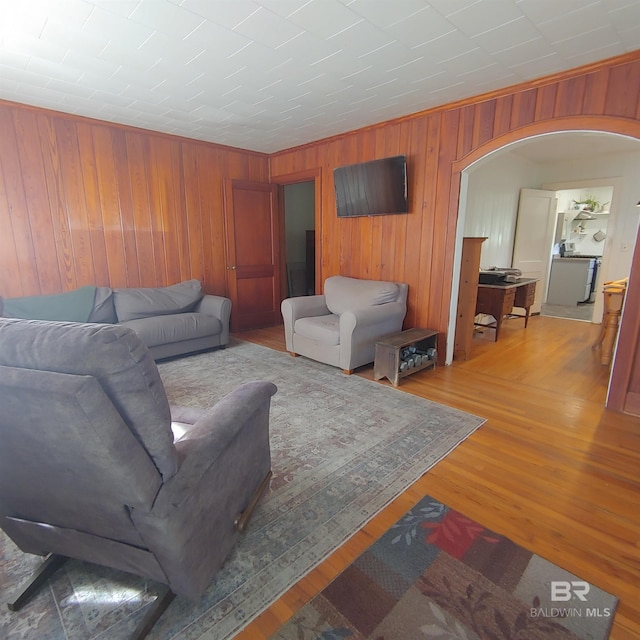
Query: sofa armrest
pixel 219 307
pixel 243 412
pixel 300 307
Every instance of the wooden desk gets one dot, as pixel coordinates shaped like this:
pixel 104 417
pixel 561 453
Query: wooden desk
pixel 498 300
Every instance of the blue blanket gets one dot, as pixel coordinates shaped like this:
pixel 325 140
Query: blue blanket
pixel 72 306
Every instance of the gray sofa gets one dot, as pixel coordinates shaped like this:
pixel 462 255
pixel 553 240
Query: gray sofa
pixel 170 321
pixel 90 469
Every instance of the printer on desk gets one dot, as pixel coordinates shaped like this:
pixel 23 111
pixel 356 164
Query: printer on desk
pixel 497 275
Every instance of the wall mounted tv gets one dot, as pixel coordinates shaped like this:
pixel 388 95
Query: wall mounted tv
pixel 372 188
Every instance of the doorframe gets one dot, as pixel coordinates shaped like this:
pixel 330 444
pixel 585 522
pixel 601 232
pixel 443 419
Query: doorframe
pixel 282 180
pixel 620 375
pixel 616 184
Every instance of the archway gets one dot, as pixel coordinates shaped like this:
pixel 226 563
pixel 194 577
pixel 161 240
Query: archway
pixel 629 132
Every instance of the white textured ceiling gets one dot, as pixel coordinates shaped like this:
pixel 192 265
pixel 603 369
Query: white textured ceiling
pixel 271 74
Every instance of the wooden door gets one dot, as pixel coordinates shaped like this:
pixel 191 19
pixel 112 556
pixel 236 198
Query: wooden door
pixel 253 254
pixel 535 229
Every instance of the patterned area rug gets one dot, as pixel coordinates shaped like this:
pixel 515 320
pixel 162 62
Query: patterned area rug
pixel 342 448
pixel 438 574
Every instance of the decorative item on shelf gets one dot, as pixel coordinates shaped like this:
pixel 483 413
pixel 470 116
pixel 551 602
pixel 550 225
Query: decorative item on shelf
pixel 599 235
pixel 589 204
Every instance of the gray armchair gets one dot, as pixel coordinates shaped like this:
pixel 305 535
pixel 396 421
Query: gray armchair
pixel 89 467
pixel 341 327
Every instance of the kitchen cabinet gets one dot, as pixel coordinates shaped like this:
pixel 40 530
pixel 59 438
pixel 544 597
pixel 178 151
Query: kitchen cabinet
pixel 570 280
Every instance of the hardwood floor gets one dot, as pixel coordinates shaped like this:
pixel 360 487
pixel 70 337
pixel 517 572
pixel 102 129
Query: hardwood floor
pixel 551 468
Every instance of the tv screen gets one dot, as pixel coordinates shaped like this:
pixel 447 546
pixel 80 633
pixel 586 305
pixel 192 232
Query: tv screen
pixel 372 188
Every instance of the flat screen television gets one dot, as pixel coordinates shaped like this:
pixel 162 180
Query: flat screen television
pixel 372 188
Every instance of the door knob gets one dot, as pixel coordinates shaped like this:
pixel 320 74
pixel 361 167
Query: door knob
pixel 232 267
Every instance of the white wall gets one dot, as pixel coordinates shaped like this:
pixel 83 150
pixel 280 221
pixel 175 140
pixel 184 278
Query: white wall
pixel 492 204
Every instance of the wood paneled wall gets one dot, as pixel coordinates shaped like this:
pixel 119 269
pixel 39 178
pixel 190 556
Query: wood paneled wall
pixel 85 202
pixel 418 248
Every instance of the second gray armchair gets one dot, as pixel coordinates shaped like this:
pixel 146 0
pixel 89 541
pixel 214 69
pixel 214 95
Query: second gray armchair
pixel 341 327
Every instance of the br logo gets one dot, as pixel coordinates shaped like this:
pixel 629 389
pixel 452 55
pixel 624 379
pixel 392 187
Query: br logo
pixel 562 591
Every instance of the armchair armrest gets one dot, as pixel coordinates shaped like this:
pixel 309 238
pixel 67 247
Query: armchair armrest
pixel 300 307
pixel 360 328
pixel 219 307
pixel 305 307
pixel 225 458
pixel 203 446
pixel 375 319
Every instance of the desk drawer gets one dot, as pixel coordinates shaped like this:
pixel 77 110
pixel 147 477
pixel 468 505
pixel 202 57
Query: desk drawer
pixel 494 301
pixel 525 295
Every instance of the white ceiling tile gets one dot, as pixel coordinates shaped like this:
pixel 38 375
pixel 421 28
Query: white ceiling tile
pixel 267 28
pixel 532 67
pixel 377 11
pixel 543 10
pixel 53 70
pixel 484 16
pixel 158 44
pixel 306 48
pixel 16 19
pixel 470 62
pixel 324 18
pixel 216 38
pixel 103 24
pixel 424 26
pixel 523 52
pixel 450 7
pixel 624 14
pixel 507 36
pixel 600 51
pixel 15 59
pixel 18 44
pixel 227 13
pixel 166 17
pixel 390 56
pixel 132 61
pixel 582 22
pixel 78 39
pixel 445 47
pixel 360 38
pixel 123 8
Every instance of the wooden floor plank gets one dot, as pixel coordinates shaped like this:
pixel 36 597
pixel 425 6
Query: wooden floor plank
pixel 551 468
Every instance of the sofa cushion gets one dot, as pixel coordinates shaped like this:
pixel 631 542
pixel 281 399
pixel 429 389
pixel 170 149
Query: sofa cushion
pixel 103 310
pixel 324 329
pixel 70 306
pixel 132 304
pixel 175 327
pixel 345 294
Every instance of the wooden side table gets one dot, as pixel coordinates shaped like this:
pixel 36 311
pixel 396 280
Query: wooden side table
pixel 614 293
pixel 389 349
